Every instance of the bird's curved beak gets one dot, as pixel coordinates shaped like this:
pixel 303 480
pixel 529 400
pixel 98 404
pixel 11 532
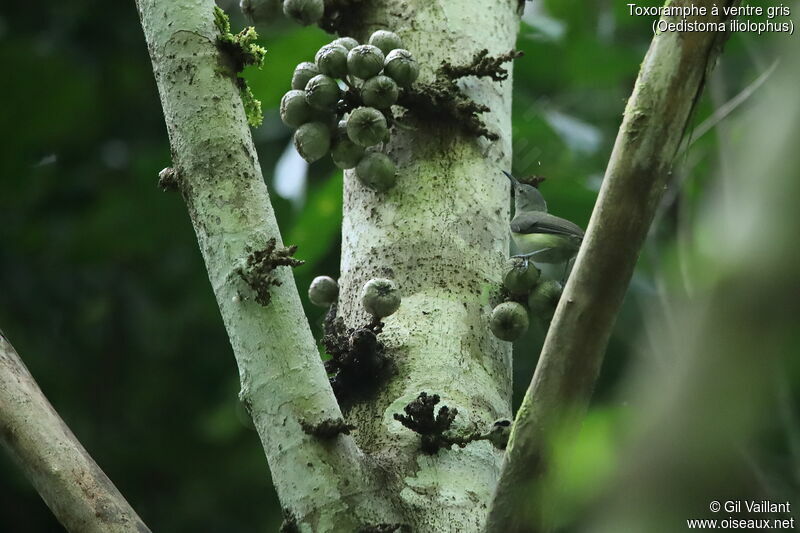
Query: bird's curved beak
pixel 514 180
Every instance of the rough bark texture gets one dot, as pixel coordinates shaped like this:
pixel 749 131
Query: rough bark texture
pixel 657 114
pixel 80 495
pixel 323 485
pixel 442 234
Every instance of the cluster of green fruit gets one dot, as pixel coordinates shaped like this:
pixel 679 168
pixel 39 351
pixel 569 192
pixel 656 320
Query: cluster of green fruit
pixel 340 104
pixel 509 320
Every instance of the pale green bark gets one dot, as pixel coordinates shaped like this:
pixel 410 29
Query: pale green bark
pixel 657 114
pixel 80 495
pixel 442 234
pixel 325 486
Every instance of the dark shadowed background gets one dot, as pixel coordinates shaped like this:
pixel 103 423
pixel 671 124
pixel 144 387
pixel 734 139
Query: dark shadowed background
pixel 105 296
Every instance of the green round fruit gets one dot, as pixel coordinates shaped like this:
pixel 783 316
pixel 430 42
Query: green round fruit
pixel 380 92
pixel 346 153
pixel 401 66
pixel 366 126
pixel 302 73
pixel 258 11
pixel 331 59
pixel 385 40
pixel 323 291
pixel 376 171
pixel 294 110
pixel 365 61
pixel 322 92
pixel 348 42
pixel 509 321
pixel 380 297
pixel 305 12
pixel 520 276
pixel 312 141
pixel 543 300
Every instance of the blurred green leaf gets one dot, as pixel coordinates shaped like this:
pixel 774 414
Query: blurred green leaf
pixel 317 230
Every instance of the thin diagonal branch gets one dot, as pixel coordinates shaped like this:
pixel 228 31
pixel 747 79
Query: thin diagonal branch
pixel 284 384
pixel 723 111
pixel 668 87
pixel 81 496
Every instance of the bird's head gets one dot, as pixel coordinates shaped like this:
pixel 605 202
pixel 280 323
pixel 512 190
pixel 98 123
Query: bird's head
pixel 526 197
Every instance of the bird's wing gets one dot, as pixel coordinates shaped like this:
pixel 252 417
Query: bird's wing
pixel 536 222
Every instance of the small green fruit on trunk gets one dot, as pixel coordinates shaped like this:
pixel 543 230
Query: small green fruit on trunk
pixel 346 154
pixel 305 12
pixel 331 59
pixel 509 321
pixel 380 92
pixel 385 40
pixel 294 110
pixel 322 92
pixel 543 300
pixel 520 276
pixel 380 297
pixel 366 126
pixel 401 66
pixel 258 11
pixel 312 141
pixel 348 42
pixel 377 171
pixel 323 291
pixel 365 61
pixel 303 73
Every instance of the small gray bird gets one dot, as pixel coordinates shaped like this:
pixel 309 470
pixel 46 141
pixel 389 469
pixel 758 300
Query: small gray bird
pixel 538 235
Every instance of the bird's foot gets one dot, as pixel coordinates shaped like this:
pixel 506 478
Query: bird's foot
pixel 527 257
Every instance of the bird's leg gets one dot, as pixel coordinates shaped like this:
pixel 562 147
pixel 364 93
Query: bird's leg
pixel 526 257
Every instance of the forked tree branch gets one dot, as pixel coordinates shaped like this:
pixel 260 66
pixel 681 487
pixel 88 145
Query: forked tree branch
pixel 669 84
pixel 80 495
pixel 284 384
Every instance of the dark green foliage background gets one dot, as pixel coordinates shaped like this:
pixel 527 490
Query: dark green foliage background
pixel 102 288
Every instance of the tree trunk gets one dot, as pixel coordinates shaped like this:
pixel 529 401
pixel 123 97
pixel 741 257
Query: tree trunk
pixel 442 234
pixel 322 485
